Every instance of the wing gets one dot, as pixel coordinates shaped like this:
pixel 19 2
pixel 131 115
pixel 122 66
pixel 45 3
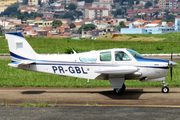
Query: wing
pixel 23 62
pixel 117 70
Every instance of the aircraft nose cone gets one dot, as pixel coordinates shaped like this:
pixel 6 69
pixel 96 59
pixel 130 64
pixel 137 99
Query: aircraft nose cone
pixel 172 64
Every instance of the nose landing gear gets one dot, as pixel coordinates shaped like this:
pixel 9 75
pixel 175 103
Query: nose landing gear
pixel 165 89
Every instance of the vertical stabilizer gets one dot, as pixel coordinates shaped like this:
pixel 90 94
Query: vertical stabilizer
pixel 19 48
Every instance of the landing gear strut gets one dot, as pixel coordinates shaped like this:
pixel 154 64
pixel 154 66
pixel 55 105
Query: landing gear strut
pixel 120 90
pixel 165 89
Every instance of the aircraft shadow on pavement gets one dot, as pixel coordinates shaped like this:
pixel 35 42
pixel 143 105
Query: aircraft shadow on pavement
pixel 128 93
pixel 33 92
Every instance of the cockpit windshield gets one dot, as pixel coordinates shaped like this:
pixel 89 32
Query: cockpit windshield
pixel 134 53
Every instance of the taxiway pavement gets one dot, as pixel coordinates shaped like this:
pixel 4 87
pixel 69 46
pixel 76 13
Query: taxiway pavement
pixel 145 97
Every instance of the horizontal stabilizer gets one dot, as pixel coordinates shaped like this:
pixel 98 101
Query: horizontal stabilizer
pixel 117 70
pixel 23 62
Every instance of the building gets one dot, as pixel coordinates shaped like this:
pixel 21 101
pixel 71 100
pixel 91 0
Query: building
pixel 33 2
pixel 2 8
pixel 34 31
pixel 7 2
pixel 96 13
pixel 171 4
pixel 63 28
pixel 48 15
pixel 168 4
pixel 27 9
pixel 66 1
pixel 155 28
pixel 162 4
pixel 102 5
pixel 43 23
pixel 107 1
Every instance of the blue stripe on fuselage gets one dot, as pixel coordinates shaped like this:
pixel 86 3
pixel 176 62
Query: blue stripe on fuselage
pixel 150 60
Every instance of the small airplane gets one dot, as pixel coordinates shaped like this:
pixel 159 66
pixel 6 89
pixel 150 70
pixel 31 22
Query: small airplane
pixel 115 65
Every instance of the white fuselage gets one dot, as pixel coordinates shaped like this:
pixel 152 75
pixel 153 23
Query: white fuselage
pixel 85 65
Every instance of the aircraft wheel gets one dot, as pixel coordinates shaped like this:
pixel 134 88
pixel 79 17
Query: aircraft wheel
pixel 165 89
pixel 120 91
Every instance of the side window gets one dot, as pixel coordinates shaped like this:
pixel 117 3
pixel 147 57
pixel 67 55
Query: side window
pixel 88 58
pixel 121 56
pixel 105 56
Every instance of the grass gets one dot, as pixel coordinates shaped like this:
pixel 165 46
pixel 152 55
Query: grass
pixel 55 45
pixel 41 104
pixel 12 77
pixel 38 104
pixel 26 104
pixel 6 104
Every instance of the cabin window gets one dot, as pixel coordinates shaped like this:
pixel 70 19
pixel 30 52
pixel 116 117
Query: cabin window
pixel 89 58
pixel 134 53
pixel 105 56
pixel 121 56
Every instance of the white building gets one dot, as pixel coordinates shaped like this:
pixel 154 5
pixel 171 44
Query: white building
pixel 97 13
pixel 2 8
pixel 171 4
pixel 33 2
pixel 102 5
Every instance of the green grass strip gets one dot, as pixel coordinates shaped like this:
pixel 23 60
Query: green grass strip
pixel 12 77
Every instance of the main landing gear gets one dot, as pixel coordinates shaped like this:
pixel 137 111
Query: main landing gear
pixel 119 91
pixel 165 89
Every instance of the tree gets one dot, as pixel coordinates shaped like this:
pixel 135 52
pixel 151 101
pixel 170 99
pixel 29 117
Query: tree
pixel 89 1
pixel 10 9
pixel 148 4
pixel 56 23
pixel 118 12
pixel 121 25
pixel 1 33
pixel 51 1
pixel 72 25
pixel 25 2
pixel 86 27
pixel 72 7
pixel 169 18
pixel 13 11
pixel 78 13
pixel 21 17
pixel 156 14
pixel 67 15
pixel 166 12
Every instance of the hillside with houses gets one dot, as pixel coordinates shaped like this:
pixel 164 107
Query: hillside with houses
pixel 89 18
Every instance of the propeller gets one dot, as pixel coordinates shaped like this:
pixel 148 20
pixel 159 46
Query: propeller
pixel 171 63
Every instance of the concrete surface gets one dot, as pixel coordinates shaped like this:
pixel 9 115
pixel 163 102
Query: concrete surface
pixel 91 96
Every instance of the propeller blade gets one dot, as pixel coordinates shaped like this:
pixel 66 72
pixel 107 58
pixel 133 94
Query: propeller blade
pixel 171 60
pixel 171 74
pixel 172 55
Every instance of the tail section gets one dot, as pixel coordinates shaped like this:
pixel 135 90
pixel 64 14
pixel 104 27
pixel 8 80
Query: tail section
pixel 19 48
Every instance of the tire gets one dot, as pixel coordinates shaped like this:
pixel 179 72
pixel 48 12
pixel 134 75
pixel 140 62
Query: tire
pixel 165 89
pixel 120 91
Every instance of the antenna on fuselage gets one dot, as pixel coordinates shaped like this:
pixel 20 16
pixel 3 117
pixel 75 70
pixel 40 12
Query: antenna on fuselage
pixel 73 50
